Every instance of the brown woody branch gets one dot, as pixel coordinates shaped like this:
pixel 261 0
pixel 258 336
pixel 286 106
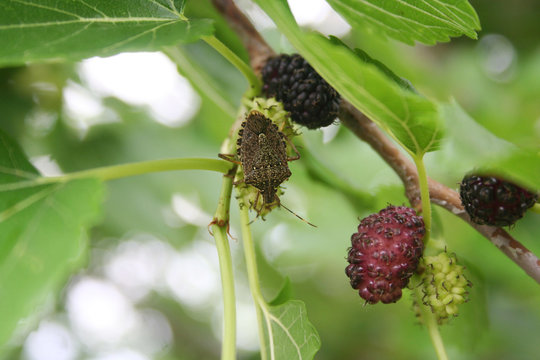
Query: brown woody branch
pixel 439 194
pixel 366 130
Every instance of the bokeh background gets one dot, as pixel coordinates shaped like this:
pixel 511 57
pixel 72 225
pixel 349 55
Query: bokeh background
pixel 151 286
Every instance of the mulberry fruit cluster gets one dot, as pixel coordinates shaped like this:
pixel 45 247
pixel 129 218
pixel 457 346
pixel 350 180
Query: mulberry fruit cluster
pixel 385 253
pixel 444 285
pixel 311 101
pixel 492 201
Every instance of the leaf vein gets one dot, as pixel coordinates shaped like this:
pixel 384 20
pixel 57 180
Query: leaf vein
pixel 402 21
pixel 46 8
pixel 444 19
pixel 59 40
pixel 470 16
pixel 451 15
pixel 26 202
pixel 93 8
pixel 171 10
pixel 16 172
pixel 88 20
pixel 134 37
pixel 287 333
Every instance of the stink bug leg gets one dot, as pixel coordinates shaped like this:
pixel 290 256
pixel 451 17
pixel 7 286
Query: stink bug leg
pixel 294 148
pixel 229 157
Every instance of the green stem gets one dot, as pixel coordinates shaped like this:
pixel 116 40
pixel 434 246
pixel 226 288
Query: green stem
pixel 224 202
pixel 427 315
pixel 253 274
pixel 431 324
pixel 228 349
pixel 219 228
pixel 126 170
pixel 424 193
pixel 220 225
pixel 244 68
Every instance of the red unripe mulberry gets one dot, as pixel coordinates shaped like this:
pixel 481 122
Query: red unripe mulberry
pixel 385 253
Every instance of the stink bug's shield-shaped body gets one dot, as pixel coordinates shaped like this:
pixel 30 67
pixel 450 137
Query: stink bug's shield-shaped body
pixel 262 152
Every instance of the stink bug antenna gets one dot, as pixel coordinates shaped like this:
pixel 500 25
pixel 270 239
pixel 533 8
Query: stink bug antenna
pixel 295 214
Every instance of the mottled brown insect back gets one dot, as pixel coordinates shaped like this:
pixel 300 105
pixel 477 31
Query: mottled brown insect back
pixel 262 152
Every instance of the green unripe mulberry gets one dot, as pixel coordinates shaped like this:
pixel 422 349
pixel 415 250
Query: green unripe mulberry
pixel 444 285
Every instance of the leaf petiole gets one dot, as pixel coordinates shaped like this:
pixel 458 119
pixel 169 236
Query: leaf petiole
pixel 431 324
pixel 126 170
pixel 245 69
pixel 253 275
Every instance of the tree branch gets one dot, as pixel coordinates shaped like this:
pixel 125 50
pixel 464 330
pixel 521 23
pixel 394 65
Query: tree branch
pixel 258 49
pixel 439 194
pixel 367 131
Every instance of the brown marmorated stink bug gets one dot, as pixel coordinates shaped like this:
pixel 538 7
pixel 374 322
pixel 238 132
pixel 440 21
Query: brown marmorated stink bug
pixel 262 152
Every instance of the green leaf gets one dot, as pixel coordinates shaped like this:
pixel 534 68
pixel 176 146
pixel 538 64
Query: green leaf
pixel 364 56
pixel 409 118
pixel 412 20
pixel 470 147
pixel 284 294
pixel 203 9
pixel 468 144
pixel 520 166
pixel 290 334
pixel 404 83
pixel 72 30
pixel 42 235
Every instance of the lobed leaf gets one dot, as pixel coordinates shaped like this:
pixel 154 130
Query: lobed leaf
pixel 467 144
pixel 290 334
pixel 409 118
pixel 284 294
pixel 404 83
pixel 42 235
pixel 470 147
pixel 408 21
pixel 204 9
pixel 37 30
pixel 520 166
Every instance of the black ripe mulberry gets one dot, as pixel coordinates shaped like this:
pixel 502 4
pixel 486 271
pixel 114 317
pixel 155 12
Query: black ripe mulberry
pixel 385 253
pixel 492 201
pixel 311 101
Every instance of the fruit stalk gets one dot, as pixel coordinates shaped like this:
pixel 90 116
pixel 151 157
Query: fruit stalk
pixel 253 273
pixel 254 81
pixel 429 320
pixel 424 194
pixel 126 170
